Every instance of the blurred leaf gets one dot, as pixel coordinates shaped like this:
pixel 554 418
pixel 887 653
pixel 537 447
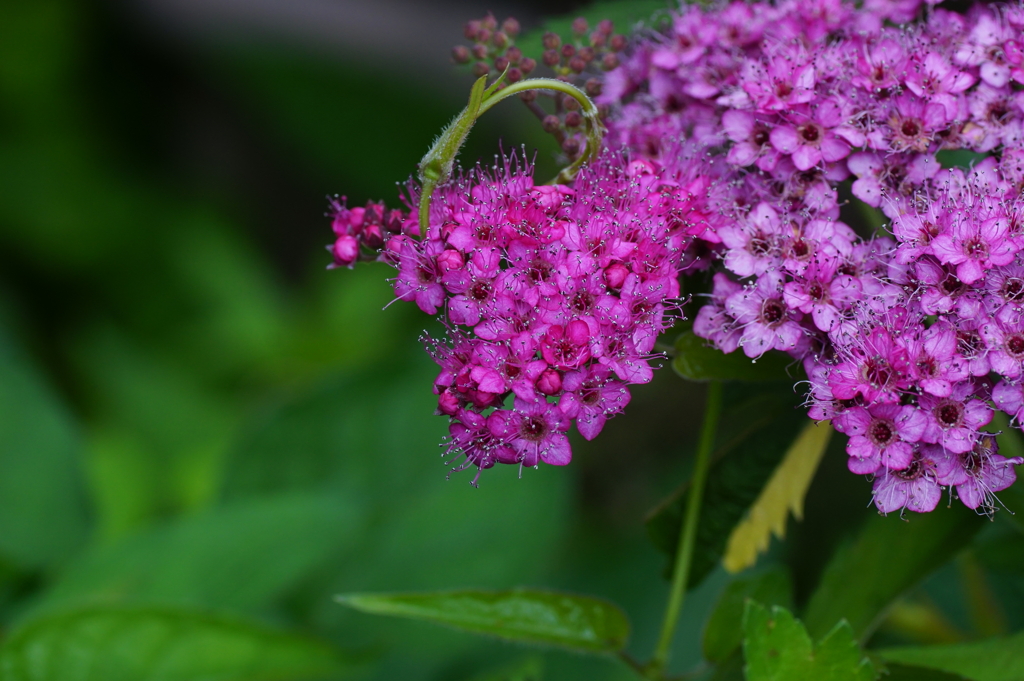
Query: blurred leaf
pixel 759 431
pixel 42 506
pixel 1010 445
pixel 778 648
pixel 958 158
pixel 625 14
pixel 546 618
pixel 159 410
pixel 167 645
pixel 242 556
pixel 899 672
pixel 723 632
pixel 866 576
pixel 993 659
pixel 784 492
pixel 695 360
pixel 530 669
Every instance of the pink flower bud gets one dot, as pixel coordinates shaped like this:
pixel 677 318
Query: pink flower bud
pixel 450 260
pixel 615 275
pixel 345 250
pixel 373 236
pixel 550 381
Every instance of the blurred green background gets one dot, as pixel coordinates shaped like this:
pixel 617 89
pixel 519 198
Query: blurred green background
pixel 194 414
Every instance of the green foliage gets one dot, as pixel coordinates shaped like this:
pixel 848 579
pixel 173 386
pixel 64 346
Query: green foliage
pixel 778 648
pixel 994 659
pixel 695 360
pixel 99 644
pixel 886 559
pixel 723 633
pixel 242 556
pixel 530 669
pixel 757 433
pixel 546 618
pixel 42 506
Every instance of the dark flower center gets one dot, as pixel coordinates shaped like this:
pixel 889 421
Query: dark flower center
pixel 582 301
pixel 760 135
pixel 783 89
pixel 951 286
pixel 590 394
pixel 877 371
pixel 480 291
pixel 881 433
pixel 772 311
pixel 809 132
pixel 512 370
pixel 912 472
pixel 910 128
pixel 968 343
pixel 424 275
pixel 800 248
pixel 1015 345
pixel 949 413
pixel 539 271
pixel 976 248
pixel 816 291
pixel 1013 288
pixel 758 246
pixel 534 429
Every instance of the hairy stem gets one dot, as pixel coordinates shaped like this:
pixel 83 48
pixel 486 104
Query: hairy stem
pixel 688 537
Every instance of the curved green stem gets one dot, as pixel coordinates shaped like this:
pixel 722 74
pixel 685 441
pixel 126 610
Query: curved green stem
pixel 688 535
pixel 436 166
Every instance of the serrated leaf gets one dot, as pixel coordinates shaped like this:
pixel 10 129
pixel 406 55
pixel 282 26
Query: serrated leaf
pixel 756 432
pixel 43 514
pixel 993 659
pixel 777 647
pixel 723 632
pixel 888 557
pixel 99 644
pixel 242 556
pixel 784 492
pixel 549 618
pixel 695 360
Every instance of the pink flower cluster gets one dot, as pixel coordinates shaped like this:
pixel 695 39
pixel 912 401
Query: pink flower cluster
pixel 909 340
pixel 553 297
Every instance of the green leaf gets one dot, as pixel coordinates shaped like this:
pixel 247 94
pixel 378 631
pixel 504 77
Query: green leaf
pixel 866 576
pixel 778 648
pixel 530 616
pixel 242 556
pixel 759 431
pixel 695 360
pixel 98 644
pixel 43 514
pixel 723 631
pixel 899 672
pixel 530 669
pixel 993 659
pixel 784 492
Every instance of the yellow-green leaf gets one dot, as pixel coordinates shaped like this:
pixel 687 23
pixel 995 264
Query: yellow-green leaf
pixel 784 492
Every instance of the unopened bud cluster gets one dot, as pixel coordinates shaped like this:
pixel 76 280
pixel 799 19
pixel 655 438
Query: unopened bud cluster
pixel 579 59
pixel 360 233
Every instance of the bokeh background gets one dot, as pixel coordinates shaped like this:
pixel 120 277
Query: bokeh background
pixel 195 413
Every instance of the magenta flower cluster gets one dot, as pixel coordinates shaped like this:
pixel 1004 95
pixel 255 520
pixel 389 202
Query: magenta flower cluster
pixel 552 297
pixel 912 337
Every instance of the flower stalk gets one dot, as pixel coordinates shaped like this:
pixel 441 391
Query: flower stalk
pixel 688 537
pixel 437 165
